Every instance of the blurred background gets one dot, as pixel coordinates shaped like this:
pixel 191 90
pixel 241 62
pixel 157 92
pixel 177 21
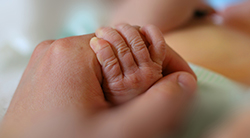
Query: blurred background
pixel 26 23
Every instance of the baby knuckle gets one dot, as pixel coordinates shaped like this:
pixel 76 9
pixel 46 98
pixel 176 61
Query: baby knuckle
pixel 118 41
pixel 137 44
pixel 110 62
pixel 108 31
pixel 113 35
pixel 116 38
pixel 123 50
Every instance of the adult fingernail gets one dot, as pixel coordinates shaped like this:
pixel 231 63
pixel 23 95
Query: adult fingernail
pixel 187 82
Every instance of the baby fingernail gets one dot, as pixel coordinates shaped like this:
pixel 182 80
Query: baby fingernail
pixel 94 44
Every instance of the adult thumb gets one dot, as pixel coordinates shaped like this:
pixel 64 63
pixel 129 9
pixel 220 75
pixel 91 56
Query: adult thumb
pixel 156 110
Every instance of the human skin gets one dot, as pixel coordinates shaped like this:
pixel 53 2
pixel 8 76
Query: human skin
pixel 167 15
pixel 224 49
pixel 221 48
pixel 61 89
pixel 130 65
pixel 237 16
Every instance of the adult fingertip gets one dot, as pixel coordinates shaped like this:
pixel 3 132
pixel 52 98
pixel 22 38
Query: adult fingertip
pixel 187 82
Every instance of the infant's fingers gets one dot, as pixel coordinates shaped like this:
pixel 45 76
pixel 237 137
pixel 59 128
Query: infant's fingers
pixel 138 28
pixel 106 58
pixel 158 45
pixel 172 62
pixel 136 43
pixel 120 47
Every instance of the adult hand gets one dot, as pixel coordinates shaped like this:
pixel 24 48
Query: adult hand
pixel 61 87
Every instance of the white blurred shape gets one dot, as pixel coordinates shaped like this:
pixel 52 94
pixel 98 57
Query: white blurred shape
pixel 22 45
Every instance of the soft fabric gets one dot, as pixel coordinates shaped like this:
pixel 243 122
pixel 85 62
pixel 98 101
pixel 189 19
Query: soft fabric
pixel 217 96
